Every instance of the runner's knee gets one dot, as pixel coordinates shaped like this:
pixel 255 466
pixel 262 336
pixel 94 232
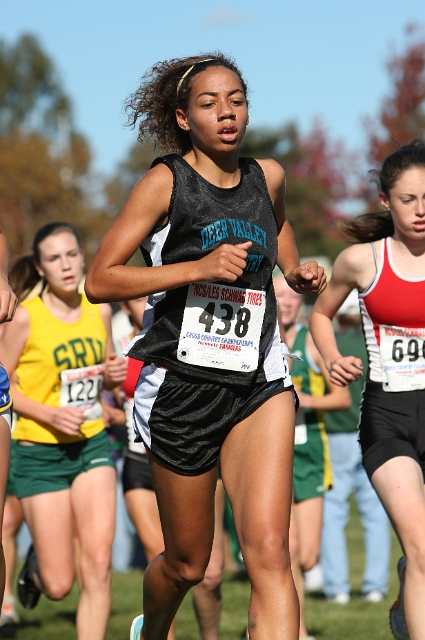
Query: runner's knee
pixel 268 553
pixel 96 567
pixel 188 572
pixel 308 558
pixel 56 587
pixel 212 579
pixel 415 557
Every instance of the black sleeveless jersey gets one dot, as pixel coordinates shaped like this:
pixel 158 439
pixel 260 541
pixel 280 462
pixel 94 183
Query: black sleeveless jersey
pixel 201 217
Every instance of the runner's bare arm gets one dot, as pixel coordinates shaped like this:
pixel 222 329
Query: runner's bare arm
pixel 110 279
pixel 337 399
pixel 13 339
pixel 8 300
pixel 308 277
pixel 115 367
pixel 345 278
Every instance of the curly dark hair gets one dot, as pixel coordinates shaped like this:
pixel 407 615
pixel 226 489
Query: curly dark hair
pixel 374 226
pixel 154 103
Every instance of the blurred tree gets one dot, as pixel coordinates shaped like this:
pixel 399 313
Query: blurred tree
pixel 317 173
pixel 35 188
pixel 44 164
pixel 128 173
pixel 401 118
pixel 30 92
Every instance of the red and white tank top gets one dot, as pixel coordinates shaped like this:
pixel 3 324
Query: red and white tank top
pixel 393 314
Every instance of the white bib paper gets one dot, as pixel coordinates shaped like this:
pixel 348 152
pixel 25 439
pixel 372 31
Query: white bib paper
pixel 300 427
pixel 81 388
pixel 402 358
pixel 300 434
pixel 221 327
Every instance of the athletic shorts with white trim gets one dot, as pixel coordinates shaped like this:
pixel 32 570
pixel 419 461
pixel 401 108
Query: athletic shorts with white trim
pixel 184 421
pixel 43 468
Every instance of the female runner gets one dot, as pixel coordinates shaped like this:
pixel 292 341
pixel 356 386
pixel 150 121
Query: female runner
pixel 58 351
pixel 388 268
pixel 211 226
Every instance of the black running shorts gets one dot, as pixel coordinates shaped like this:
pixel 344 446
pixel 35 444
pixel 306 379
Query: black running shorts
pixel 136 473
pixel 184 421
pixel 391 425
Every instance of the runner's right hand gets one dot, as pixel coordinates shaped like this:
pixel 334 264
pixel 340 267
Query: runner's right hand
pixel 67 419
pixel 226 263
pixel 344 370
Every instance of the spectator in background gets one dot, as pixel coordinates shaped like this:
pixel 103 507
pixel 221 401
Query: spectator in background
pixel 350 477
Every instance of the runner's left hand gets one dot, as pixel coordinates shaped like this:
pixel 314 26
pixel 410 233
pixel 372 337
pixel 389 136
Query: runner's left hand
pixel 307 278
pixel 115 371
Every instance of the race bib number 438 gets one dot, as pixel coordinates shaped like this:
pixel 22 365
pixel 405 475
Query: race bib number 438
pixel 402 358
pixel 221 327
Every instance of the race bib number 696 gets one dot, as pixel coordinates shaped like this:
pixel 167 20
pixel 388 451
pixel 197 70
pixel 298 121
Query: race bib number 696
pixel 221 327
pixel 402 358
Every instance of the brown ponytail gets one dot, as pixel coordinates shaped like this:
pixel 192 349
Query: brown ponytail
pixel 368 227
pixel 374 226
pixel 23 276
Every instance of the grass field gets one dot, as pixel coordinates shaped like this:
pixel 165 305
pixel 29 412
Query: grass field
pixel 355 621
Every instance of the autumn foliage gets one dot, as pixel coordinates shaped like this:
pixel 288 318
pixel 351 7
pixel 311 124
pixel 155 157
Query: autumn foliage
pixel 401 118
pixel 45 164
pixel 40 179
pixel 316 169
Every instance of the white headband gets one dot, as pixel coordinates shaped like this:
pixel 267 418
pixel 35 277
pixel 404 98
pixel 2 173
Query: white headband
pixel 186 73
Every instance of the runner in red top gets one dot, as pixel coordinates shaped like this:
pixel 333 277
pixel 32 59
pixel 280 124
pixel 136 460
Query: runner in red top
pixel 388 269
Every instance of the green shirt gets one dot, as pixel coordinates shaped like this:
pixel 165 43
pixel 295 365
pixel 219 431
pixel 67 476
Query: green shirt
pixel 350 343
pixel 306 376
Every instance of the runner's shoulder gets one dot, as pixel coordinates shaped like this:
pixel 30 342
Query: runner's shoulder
pixel 356 259
pixel 275 177
pixel 273 171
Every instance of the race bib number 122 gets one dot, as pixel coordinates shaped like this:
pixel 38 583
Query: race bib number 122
pixel 81 388
pixel 221 327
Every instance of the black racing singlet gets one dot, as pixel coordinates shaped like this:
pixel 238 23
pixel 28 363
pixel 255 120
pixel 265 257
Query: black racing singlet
pixel 201 217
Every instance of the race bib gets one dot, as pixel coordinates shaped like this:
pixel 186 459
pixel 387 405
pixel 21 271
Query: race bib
pixel 81 388
pixel 221 327
pixel 402 358
pixel 300 434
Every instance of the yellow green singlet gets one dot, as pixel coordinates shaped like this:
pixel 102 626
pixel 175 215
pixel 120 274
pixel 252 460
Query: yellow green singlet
pixel 54 346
